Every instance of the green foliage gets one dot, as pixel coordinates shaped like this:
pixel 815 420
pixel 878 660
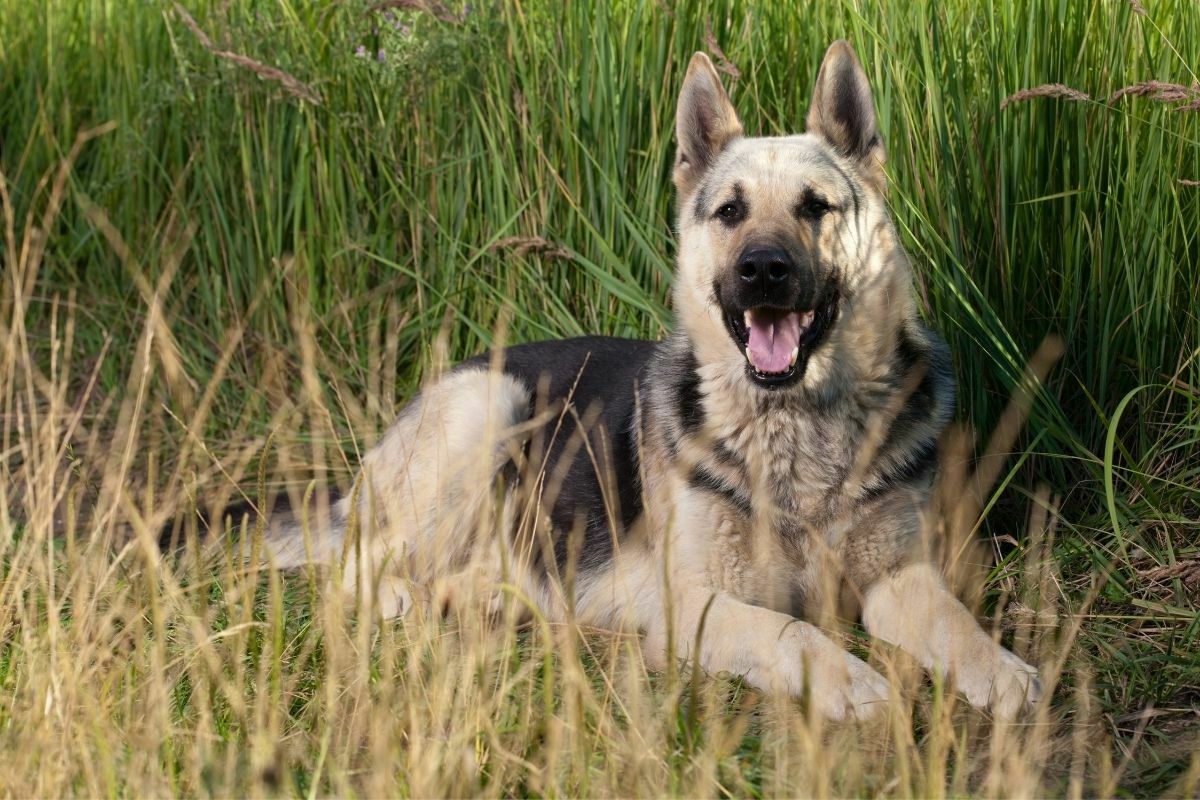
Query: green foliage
pixel 507 168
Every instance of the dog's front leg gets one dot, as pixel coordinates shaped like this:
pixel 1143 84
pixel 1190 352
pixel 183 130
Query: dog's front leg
pixel 772 651
pixel 914 609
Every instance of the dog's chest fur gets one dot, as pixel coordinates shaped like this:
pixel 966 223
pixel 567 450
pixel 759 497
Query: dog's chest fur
pixel 772 474
pixel 790 462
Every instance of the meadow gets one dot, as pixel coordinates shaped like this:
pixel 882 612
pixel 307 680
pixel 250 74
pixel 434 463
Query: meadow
pixel 236 234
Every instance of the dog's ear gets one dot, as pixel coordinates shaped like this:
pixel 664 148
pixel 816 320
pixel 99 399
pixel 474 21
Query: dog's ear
pixel 705 123
pixel 842 112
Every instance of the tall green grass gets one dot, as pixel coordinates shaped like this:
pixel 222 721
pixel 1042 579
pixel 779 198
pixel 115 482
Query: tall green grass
pixel 507 169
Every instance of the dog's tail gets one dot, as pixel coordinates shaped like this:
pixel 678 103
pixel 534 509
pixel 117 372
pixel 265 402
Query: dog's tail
pixel 280 533
pixel 292 539
pixel 430 479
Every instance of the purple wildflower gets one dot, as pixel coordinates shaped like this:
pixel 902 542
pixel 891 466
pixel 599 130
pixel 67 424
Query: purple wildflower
pixel 380 56
pixel 361 51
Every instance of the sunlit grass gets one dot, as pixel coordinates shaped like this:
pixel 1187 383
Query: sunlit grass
pixel 228 262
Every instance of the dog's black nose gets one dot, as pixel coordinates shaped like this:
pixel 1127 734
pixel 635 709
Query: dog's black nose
pixel 766 266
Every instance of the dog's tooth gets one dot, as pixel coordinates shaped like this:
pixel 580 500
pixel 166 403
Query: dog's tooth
pixel 795 355
pixel 746 317
pixel 748 354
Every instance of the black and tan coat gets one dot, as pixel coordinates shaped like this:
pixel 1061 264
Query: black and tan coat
pixel 774 453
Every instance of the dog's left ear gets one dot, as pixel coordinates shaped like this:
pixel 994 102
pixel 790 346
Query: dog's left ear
pixel 842 112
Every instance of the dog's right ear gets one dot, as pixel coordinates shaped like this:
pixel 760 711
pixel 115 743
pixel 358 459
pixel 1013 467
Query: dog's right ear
pixel 705 123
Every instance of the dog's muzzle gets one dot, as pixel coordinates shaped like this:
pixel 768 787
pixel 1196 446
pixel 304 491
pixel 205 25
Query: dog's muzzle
pixel 776 313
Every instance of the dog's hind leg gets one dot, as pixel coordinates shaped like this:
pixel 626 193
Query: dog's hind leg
pixel 428 489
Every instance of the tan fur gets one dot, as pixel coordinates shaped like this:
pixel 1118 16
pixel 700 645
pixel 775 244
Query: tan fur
pixel 914 609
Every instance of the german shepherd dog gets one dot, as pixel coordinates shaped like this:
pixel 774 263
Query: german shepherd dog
pixel 709 490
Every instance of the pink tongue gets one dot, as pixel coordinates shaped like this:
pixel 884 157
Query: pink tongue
pixel 773 337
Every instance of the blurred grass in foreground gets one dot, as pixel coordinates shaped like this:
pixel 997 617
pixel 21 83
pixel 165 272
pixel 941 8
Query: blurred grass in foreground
pixel 228 259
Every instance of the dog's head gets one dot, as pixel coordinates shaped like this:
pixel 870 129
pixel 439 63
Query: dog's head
pixel 776 234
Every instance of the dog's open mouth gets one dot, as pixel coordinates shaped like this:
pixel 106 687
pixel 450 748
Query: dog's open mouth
pixel 778 341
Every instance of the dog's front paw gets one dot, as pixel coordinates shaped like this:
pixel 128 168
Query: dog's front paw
pixel 1000 681
pixel 1016 686
pixel 847 687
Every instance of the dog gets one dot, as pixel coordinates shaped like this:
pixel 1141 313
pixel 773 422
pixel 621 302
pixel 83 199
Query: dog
pixel 712 491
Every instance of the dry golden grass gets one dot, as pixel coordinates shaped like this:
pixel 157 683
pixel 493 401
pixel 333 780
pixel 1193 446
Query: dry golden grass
pixel 124 674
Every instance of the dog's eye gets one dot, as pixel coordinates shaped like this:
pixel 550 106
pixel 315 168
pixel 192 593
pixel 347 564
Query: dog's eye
pixel 731 212
pixel 813 207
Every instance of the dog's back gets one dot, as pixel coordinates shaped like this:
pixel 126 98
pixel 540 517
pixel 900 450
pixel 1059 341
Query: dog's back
pixel 590 387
